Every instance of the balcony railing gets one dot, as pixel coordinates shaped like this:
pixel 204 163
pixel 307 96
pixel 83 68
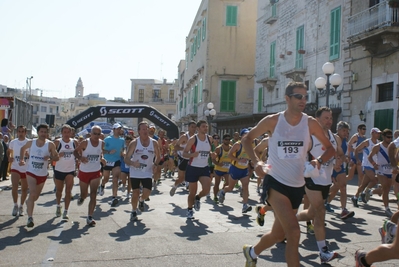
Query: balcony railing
pixel 375 17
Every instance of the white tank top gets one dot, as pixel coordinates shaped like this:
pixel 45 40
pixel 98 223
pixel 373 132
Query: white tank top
pixel 93 155
pixel 384 164
pixel 180 152
pixel 66 163
pixel 145 156
pixel 367 150
pixel 327 167
pixel 15 146
pixel 37 165
pixel 204 148
pixel 288 147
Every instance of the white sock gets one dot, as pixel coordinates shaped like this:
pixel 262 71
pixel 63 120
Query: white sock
pixel 16 204
pixel 321 244
pixel 252 253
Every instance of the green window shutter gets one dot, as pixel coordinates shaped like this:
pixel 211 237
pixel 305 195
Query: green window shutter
pixel 195 98
pixel 272 59
pixel 181 105
pixel 192 52
pixel 203 29
pixel 195 45
pixel 299 45
pixel 260 99
pixel 199 38
pixel 383 119
pixel 335 33
pixel 185 102
pixel 231 15
pixel 200 91
pixel 228 96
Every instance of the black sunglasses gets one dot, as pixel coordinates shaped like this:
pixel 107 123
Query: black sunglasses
pixel 299 96
pixel 388 136
pixel 364 129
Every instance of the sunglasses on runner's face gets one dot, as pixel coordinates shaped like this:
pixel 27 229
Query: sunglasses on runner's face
pixel 389 136
pixel 298 96
pixel 364 129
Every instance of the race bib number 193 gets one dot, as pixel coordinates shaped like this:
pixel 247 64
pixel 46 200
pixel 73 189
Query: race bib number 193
pixel 290 149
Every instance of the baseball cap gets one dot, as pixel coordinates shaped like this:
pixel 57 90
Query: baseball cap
pixel 152 126
pixel 244 131
pixel 375 130
pixel 116 126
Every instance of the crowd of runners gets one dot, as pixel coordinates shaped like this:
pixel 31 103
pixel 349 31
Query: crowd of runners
pixel 294 157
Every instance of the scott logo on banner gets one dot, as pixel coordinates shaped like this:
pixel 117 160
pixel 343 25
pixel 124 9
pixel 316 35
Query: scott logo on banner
pixel 113 111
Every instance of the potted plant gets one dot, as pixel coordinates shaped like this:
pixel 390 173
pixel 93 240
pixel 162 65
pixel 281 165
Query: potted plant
pixel 301 51
pixel 393 3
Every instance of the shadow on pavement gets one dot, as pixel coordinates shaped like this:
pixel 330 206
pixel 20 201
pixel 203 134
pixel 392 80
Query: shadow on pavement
pixel 68 235
pixel 135 228
pixel 193 230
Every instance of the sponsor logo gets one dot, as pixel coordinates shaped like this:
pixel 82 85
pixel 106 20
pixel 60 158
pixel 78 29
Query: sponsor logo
pixel 158 117
pixel 83 118
pixel 144 157
pixel 290 143
pixel 103 111
pixel 74 123
pixel 113 111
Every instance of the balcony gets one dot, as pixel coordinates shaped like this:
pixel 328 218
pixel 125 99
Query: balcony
pixel 374 26
pixel 271 15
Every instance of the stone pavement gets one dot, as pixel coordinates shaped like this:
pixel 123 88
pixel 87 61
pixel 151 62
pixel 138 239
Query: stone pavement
pixel 163 237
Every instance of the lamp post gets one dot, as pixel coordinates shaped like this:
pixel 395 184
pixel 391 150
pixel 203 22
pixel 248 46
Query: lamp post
pixel 210 113
pixel 333 79
pixel 362 116
pixel 29 84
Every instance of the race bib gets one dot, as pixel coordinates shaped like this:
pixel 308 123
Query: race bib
pixel 226 165
pixel 110 163
pixel 142 167
pixel 290 149
pixel 203 154
pixel 243 163
pixel 386 168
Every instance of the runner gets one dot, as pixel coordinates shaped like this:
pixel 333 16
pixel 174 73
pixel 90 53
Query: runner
pixel 356 160
pixel 18 173
pixel 163 147
pixel 124 168
pixel 283 186
pixel 64 170
pixel 40 151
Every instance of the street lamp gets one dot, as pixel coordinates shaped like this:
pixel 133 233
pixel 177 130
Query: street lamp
pixel 210 113
pixel 362 116
pixel 333 79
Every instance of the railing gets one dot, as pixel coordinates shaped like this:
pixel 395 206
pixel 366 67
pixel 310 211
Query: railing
pixel 271 14
pixel 375 17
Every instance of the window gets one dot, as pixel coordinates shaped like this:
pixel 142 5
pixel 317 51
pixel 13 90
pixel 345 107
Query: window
pixel 43 109
pixel 156 95
pixel 203 29
pixel 335 32
pixel 195 98
pixel 260 99
pixel 195 45
pixel 373 2
pixel 172 95
pixel 228 96
pixel 200 91
pixel 51 110
pixel 299 46
pixel 231 15
pixel 185 102
pixel 141 95
pixel 192 52
pixel 199 38
pixel 385 92
pixel 272 59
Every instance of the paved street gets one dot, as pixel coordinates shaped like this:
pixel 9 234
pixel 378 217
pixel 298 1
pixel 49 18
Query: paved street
pixel 163 236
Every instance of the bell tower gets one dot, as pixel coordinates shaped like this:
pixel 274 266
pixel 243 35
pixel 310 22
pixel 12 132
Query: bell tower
pixel 79 88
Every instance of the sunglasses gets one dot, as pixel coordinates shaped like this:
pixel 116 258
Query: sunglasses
pixel 388 136
pixel 364 129
pixel 299 96
pixel 96 133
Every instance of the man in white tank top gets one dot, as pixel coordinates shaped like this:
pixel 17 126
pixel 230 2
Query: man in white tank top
pixel 283 187
pixel 198 149
pixel 143 156
pixel 64 170
pixel 40 151
pixel 317 188
pixel 182 162
pixel 18 173
pixel 90 154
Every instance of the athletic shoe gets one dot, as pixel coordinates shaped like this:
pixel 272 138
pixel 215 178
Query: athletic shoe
pixel 190 214
pixel 187 184
pixel 216 200
pixel 246 208
pixel 249 261
pixel 354 201
pixel 326 255
pixel 15 210
pixel 388 213
pixel 141 206
pixel 80 201
pixel 368 194
pixel 123 189
pixel 345 214
pixel 21 210
pixel 387 228
pixel 101 190
pixel 58 211
pixel 363 197
pixel 172 191
pixel 154 185
pixel 114 202
pixel 65 215
pixel 197 205
pixel 221 196
pixel 328 207
pixel 133 216
pixel 147 199
pixel 90 221
pixel 310 229
pixel 358 256
pixel 382 234
pixel 260 219
pixel 30 222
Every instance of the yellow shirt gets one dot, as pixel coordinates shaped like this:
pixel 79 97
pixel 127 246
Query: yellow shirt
pixel 224 159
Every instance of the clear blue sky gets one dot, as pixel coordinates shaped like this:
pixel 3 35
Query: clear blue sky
pixel 106 43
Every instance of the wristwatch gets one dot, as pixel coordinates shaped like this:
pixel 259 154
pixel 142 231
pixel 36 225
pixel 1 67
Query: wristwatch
pixel 319 160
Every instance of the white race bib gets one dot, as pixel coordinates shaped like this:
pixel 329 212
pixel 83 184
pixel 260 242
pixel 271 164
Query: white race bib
pixel 290 149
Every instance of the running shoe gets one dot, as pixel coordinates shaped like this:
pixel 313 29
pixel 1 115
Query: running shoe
pixel 172 191
pixel 354 201
pixel 21 210
pixel 221 196
pixel 80 201
pixel 114 202
pixel 382 234
pixel 358 256
pixel 368 195
pixel 328 207
pixel 387 228
pixel 123 189
pixel 310 229
pixel 326 255
pixel 249 261
pixel 65 215
pixel 363 197
pixel 30 223
pixel 141 206
pixel 345 214
pixel 388 213
pixel 90 221
pixel 190 214
pixel 133 216
pixel 260 219
pixel 58 211
pixel 216 200
pixel 154 185
pixel 15 210
pixel 246 208
pixel 197 205
pixel 101 190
